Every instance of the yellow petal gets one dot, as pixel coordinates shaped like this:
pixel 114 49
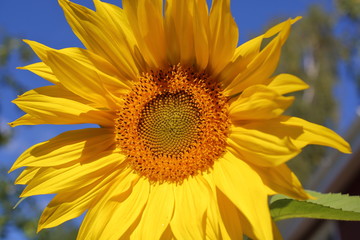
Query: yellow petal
pixel 39 49
pixel 157 213
pixel 101 38
pixel 312 133
pixel 56 105
pixel 57 180
pixel 68 147
pixel 253 143
pixel 243 186
pixel 69 205
pixel 146 20
pixel 243 55
pixel 167 235
pixel 86 80
pixel 84 57
pixel 274 141
pixel 26 175
pixel 112 216
pixel 258 102
pixel 27 119
pixel 42 70
pixel 191 202
pixel 279 27
pixel 180 31
pixel 223 29
pixel 287 83
pixel 247 51
pixel 281 180
pixel 259 70
pixel 118 20
pixel 263 64
pixel 231 227
pixel 201 34
pixel 213 220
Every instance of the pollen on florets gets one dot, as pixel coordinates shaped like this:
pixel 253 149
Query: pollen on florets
pixel 173 124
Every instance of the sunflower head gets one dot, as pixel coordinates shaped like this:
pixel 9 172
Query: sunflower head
pixel 191 139
pixel 173 124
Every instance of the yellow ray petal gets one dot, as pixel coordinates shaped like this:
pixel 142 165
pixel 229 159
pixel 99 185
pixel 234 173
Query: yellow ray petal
pixel 287 83
pixel 312 133
pixel 39 49
pixel 108 76
pixel 69 147
pixel 272 142
pixel 27 119
pixel 115 213
pixel 230 217
pixel 85 57
pixel 98 36
pixel 118 20
pixel 26 175
pixel 258 102
pixel 69 205
pixel 57 180
pixel 191 202
pixel 146 20
pixel 248 229
pixel 259 70
pixel 180 31
pixel 157 213
pixel 223 29
pixel 253 143
pixel 243 55
pixel 222 221
pixel 213 220
pixel 201 34
pixel 281 180
pixel 261 65
pixel 86 80
pixel 167 235
pixel 56 105
pixel 42 70
pixel 280 27
pixel 250 196
pixel 300 132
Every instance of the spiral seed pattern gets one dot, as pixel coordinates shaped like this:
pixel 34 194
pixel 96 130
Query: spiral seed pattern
pixel 173 124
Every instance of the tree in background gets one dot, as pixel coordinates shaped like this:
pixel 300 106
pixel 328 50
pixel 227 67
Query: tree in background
pixel 349 17
pixel 312 53
pixel 316 47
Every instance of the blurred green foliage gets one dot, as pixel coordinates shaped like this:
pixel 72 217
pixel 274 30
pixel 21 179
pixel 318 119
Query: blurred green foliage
pixel 317 46
pixel 24 217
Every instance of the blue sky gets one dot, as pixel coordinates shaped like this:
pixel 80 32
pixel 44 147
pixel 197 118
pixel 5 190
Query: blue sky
pixel 43 21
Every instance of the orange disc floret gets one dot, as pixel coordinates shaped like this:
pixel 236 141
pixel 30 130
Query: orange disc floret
pixel 173 124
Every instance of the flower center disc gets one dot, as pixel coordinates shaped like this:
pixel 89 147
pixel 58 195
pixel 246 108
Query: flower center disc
pixel 173 124
pixel 168 123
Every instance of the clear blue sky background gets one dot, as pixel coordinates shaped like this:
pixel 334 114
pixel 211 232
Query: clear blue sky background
pixel 43 21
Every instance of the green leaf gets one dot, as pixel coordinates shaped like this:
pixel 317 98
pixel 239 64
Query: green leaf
pixel 334 206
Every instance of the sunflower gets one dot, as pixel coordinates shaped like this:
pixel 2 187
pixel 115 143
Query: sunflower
pixel 190 139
